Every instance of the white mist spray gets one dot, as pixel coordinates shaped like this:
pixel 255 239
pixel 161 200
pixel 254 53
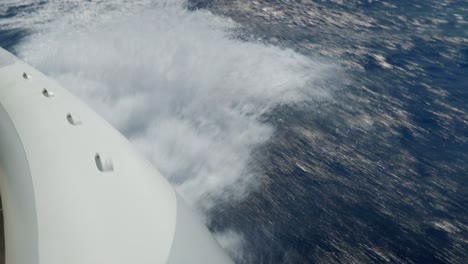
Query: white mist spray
pixel 175 83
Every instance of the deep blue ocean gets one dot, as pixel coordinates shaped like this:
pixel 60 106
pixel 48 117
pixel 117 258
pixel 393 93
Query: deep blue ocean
pixel 375 171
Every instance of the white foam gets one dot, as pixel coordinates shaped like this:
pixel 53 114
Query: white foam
pixel 175 82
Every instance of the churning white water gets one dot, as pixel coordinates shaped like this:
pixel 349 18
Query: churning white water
pixel 175 82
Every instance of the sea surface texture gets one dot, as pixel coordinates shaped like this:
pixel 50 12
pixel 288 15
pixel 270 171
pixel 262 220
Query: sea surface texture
pixel 302 131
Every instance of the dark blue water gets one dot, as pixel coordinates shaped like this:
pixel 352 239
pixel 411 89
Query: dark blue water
pixel 338 189
pixel 379 174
